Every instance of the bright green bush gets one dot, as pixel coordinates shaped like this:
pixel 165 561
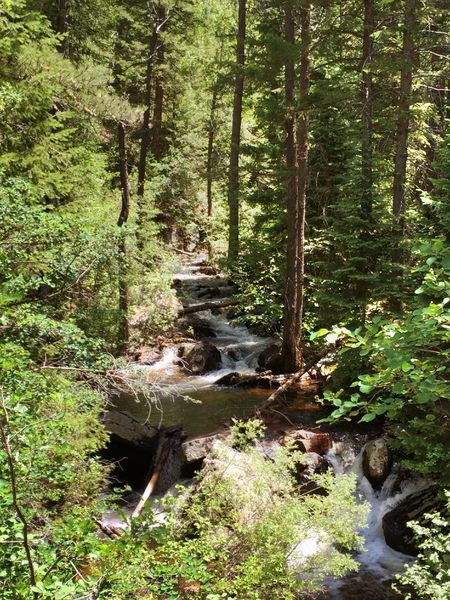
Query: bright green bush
pixel 429 575
pixel 406 374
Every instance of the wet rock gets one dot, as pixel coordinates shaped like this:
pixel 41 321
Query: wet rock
pixel 377 462
pixel 208 270
pixel 308 441
pixel 149 356
pixel 197 449
pixel 210 293
pixel 268 355
pixel 250 381
pixel 200 328
pixel 311 464
pixel 202 358
pixel 184 349
pixel 229 380
pixel 397 534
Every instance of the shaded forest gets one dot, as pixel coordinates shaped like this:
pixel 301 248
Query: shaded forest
pixel 295 154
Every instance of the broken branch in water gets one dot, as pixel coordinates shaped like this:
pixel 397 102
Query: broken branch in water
pixel 289 383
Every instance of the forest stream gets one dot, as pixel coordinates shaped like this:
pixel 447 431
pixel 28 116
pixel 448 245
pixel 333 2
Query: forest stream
pixel 202 407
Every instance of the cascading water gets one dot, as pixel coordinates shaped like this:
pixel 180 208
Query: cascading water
pixel 239 349
pixel 379 563
pixel 212 405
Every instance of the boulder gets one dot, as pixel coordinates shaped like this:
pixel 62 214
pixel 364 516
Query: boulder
pixel 308 441
pixel 377 462
pixel 149 356
pixel 201 328
pixel 411 508
pixel 311 464
pixel 268 355
pixel 229 380
pixel 241 380
pixel 202 358
pixel 213 292
pixel 123 426
pixel 197 449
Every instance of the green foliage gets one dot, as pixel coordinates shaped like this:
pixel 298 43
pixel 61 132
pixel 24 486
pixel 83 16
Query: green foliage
pixel 429 575
pixel 54 431
pixel 244 433
pixel 220 546
pixel 405 376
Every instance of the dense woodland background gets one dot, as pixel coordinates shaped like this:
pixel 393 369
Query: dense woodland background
pixel 304 147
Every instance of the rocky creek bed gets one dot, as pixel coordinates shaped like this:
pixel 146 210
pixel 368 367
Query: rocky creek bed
pixel 198 386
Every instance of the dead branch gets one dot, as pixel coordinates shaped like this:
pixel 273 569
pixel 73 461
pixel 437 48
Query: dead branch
pixel 289 383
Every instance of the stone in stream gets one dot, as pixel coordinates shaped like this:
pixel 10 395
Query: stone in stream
pixel 124 427
pixel 308 441
pixel 377 462
pixel 200 327
pixel 197 449
pixel 202 358
pixel 267 355
pixel 210 293
pixel 397 534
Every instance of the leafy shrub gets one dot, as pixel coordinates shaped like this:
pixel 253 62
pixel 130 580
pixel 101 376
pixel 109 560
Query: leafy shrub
pixel 406 376
pixel 429 575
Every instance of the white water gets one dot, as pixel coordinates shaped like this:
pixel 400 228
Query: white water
pixel 239 348
pixel 377 557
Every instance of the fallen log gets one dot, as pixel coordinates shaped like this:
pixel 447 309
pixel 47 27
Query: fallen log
pixel 109 530
pixel 289 383
pixel 153 480
pixel 212 304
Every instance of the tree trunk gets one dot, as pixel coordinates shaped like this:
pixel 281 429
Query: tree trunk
pixel 62 25
pixel 233 173
pixel 297 163
pixel 290 350
pixel 157 145
pixel 409 62
pixel 123 330
pixel 367 111
pixel 210 158
pixel 145 129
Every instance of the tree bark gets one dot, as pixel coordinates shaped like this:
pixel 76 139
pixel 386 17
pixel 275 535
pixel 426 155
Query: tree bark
pixel 159 22
pixel 233 173
pixel 210 158
pixel 62 25
pixel 409 62
pixel 123 329
pixel 157 144
pixel 297 164
pixel 367 110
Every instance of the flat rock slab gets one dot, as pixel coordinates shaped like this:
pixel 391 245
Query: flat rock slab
pixel 199 448
pixel 308 441
pixel 125 427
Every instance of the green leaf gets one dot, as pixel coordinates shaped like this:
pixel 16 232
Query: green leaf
pixel 367 418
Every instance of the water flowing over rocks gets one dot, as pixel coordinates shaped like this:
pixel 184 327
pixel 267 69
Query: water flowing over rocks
pixel 217 364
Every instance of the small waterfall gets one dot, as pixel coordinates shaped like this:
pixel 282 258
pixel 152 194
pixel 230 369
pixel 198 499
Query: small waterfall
pixel 378 561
